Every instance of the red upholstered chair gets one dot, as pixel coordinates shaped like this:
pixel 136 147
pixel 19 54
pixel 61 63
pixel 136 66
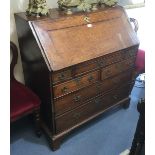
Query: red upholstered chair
pixel 140 61
pixel 22 100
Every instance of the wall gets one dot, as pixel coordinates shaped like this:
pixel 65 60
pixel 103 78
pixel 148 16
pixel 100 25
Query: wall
pixel 21 6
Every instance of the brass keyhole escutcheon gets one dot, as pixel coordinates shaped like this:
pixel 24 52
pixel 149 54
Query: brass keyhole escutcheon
pixel 87 19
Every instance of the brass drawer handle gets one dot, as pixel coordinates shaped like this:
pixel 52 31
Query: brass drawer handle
pixel 77 98
pixel 100 63
pixel 76 115
pixel 62 76
pixel 115 97
pixel 78 80
pixel 90 78
pixel 64 90
pixel 97 101
pixel 131 53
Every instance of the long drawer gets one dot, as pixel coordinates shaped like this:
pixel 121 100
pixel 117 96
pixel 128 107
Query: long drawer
pixel 72 72
pixel 94 106
pixel 78 98
pixel 76 84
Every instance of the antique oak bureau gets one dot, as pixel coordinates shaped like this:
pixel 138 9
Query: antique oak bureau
pixel 80 65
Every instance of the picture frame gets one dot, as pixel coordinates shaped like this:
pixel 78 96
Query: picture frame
pixel 128 4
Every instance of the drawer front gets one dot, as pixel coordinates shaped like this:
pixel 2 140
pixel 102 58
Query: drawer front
pixel 96 105
pixel 78 98
pixel 75 84
pixel 117 68
pixel 106 60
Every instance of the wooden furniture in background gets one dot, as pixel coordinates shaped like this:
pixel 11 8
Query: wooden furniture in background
pixel 80 65
pixel 22 100
pixel 138 144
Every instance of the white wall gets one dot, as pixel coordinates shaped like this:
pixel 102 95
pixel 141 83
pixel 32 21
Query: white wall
pixel 21 6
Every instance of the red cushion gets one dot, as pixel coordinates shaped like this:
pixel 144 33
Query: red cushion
pixel 22 100
pixel 140 61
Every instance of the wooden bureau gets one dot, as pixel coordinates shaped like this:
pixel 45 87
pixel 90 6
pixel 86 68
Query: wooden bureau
pixel 79 68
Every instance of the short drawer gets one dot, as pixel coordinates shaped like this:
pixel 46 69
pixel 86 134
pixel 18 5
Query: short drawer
pixel 117 68
pixel 75 84
pixel 61 76
pixel 72 72
pixel 121 55
pixel 78 98
pixel 93 107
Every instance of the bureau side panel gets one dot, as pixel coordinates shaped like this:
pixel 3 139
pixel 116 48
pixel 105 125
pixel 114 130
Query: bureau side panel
pixel 36 73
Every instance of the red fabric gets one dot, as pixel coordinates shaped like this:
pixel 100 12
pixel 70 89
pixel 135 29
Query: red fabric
pixel 22 100
pixel 140 61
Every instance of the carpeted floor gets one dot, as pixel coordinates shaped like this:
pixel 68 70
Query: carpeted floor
pixel 109 134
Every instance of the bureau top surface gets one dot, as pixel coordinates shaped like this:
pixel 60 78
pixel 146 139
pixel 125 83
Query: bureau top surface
pixel 67 40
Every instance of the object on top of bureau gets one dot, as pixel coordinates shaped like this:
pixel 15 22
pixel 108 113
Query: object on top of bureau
pixel 37 8
pixel 80 68
pixel 22 100
pixel 84 5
